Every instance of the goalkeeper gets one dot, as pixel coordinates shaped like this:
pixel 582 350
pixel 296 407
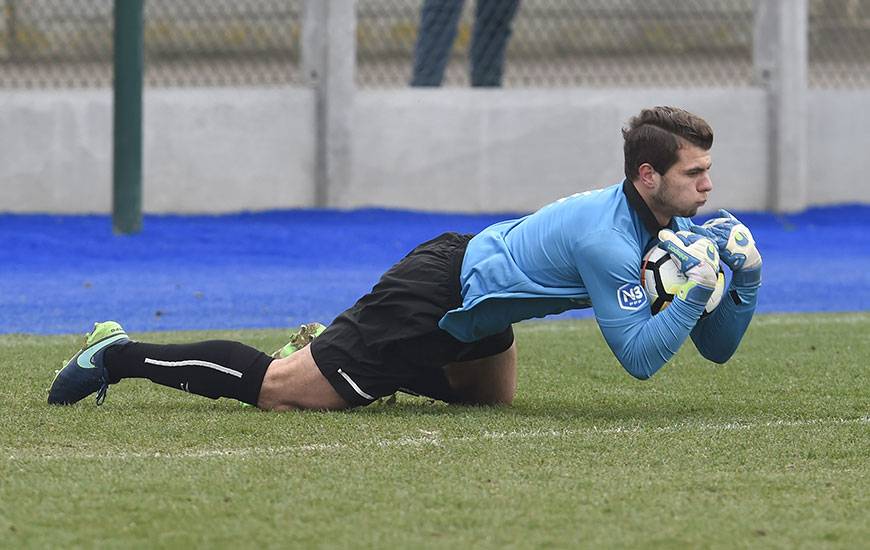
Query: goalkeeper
pixel 438 323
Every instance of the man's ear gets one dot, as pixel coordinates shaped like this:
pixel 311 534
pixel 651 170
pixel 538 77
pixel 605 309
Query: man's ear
pixel 647 176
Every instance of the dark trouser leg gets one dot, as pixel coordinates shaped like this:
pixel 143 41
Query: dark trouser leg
pixel 438 24
pixel 492 30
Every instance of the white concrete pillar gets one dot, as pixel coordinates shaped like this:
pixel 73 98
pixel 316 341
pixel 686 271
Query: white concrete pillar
pixel 780 58
pixel 328 64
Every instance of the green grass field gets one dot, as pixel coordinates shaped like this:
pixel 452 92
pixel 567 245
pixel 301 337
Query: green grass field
pixel 772 450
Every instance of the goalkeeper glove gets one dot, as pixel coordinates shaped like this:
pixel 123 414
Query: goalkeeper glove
pixel 735 242
pixel 697 258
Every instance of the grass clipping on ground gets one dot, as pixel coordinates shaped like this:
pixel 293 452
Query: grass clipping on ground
pixel 771 448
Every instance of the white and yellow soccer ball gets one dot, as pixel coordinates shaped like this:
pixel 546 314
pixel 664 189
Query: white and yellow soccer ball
pixel 661 278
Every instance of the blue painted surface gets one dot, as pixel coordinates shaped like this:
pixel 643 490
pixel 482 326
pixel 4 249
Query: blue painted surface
pixel 59 274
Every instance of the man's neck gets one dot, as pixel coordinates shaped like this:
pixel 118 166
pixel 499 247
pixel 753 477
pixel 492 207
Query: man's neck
pixel 651 220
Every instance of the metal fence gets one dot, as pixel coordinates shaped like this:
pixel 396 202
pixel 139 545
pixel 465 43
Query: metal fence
pixel 68 43
pixel 578 43
pixel 553 43
pixel 839 43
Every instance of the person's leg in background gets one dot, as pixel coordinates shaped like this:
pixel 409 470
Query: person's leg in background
pixel 439 20
pixel 492 30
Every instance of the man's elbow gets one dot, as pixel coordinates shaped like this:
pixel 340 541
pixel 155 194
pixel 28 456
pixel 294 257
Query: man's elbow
pixel 641 372
pixel 639 365
pixel 718 356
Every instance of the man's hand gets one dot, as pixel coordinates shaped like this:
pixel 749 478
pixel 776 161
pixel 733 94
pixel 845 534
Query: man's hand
pixel 735 242
pixel 697 258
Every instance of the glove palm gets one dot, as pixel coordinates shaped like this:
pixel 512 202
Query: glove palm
pixel 696 257
pixel 734 240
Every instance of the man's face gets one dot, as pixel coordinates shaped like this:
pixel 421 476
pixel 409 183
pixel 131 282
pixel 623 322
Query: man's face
pixel 683 189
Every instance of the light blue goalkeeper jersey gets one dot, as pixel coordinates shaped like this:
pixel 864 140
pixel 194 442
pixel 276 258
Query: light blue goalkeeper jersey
pixel 586 251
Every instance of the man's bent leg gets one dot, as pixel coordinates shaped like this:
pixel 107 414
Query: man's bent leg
pixel 488 381
pixel 296 382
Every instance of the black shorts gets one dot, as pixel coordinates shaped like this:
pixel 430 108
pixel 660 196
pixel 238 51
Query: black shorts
pixel 390 341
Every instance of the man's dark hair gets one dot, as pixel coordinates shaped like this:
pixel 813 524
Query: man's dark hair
pixel 655 135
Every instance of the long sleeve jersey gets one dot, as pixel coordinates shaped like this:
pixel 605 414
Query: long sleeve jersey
pixel 586 251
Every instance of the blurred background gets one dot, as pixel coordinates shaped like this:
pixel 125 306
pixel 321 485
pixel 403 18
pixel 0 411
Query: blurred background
pixel 265 104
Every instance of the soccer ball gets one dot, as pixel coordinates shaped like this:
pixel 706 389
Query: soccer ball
pixel 660 277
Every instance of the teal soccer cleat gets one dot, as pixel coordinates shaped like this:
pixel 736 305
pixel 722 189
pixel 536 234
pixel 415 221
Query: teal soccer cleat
pixel 84 373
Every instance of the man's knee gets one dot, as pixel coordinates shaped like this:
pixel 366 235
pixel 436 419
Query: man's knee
pixel 295 383
pixel 488 381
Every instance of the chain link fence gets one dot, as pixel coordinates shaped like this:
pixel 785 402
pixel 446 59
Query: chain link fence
pixel 68 43
pixel 553 43
pixel 839 44
pixel 577 43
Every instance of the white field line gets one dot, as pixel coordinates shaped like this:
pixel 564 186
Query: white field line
pixel 428 438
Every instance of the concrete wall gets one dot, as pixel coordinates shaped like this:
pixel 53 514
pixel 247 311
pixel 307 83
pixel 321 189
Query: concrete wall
pixel 205 150
pixel 223 150
pixel 219 150
pixel 483 150
pixel 839 142
pixel 56 151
